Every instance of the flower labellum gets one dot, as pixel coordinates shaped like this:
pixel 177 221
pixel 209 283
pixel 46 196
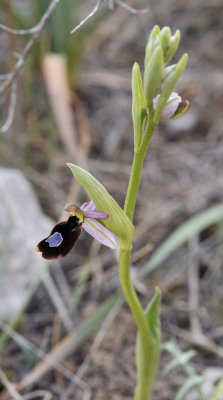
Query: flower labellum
pixel 61 240
pixel 64 235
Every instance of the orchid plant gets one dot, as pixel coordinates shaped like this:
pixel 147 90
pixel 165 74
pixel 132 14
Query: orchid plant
pixel 153 99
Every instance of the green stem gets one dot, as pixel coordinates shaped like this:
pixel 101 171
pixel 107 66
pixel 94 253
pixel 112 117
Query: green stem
pixel 133 186
pixel 136 171
pixel 143 387
pixel 138 313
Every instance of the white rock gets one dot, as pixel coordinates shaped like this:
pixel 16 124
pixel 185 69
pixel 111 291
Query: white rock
pixel 22 226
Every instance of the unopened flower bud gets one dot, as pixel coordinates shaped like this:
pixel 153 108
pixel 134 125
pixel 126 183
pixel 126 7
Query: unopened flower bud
pixel 153 75
pixel 174 108
pixel 153 41
pixel 165 36
pixel 172 47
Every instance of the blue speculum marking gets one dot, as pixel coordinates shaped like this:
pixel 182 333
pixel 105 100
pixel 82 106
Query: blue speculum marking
pixel 55 240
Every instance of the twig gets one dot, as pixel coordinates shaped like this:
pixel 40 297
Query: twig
pixel 90 15
pixel 94 348
pixel 39 27
pixel 35 32
pixel 57 300
pixel 99 338
pixel 9 386
pixel 132 10
pixel 200 340
pixel 111 5
pixel 38 393
pixel 61 281
pixel 11 109
pixel 30 31
pixel 5 76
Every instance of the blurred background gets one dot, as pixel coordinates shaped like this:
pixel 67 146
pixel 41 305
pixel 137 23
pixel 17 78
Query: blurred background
pixel 63 333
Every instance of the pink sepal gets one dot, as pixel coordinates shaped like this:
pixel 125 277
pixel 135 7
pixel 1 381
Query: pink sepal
pixel 99 232
pixel 88 205
pixel 96 214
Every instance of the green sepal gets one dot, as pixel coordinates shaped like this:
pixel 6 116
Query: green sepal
pixel 151 44
pixel 153 74
pixel 169 86
pixel 172 48
pixel 168 71
pixel 165 37
pixel 152 315
pixel 138 104
pixel 118 222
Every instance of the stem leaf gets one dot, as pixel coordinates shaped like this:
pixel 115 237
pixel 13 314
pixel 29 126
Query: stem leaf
pixel 118 222
pixel 152 315
pixel 138 104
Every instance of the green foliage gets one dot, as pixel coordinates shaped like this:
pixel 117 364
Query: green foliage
pixel 59 25
pixel 218 393
pixel 152 315
pixel 180 235
pixel 190 383
pixel 56 35
pixel 183 359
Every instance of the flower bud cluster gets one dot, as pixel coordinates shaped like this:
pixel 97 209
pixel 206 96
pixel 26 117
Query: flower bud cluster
pixel 154 96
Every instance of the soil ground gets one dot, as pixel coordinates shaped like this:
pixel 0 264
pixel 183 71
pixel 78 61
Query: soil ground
pixel 182 176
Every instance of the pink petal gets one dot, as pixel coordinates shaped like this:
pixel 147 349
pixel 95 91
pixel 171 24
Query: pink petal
pixel 96 214
pixel 170 109
pixel 99 232
pixel 88 205
pixel 171 106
